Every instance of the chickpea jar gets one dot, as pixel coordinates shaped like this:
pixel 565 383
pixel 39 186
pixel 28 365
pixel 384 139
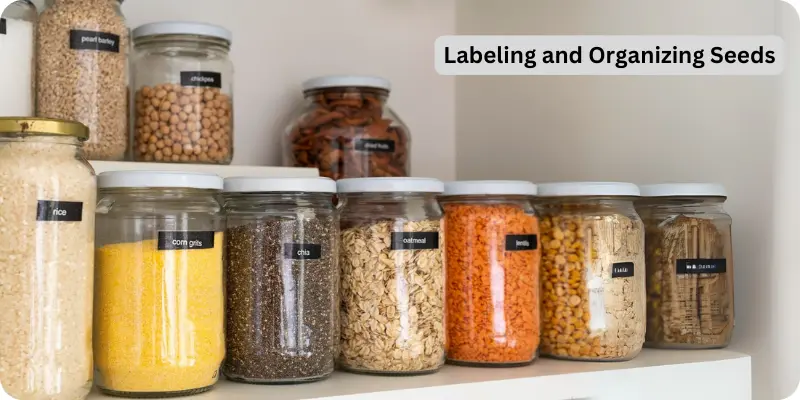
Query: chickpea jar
pixel 183 83
pixel 593 276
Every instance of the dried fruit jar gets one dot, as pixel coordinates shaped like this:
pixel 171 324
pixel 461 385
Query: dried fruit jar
pixel 17 43
pixel 82 71
pixel 492 259
pixel 159 313
pixel 183 83
pixel 46 270
pixel 593 290
pixel 346 130
pixel 392 282
pixel 282 279
pixel 689 265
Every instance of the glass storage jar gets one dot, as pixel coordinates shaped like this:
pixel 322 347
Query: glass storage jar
pixel 392 283
pixel 82 71
pixel 17 43
pixel 159 312
pixel 689 260
pixel 183 85
pixel 46 253
pixel 593 291
pixel 282 279
pixel 346 130
pixel 492 266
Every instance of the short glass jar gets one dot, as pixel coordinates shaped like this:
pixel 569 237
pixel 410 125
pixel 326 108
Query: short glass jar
pixel 492 259
pixel 593 290
pixel 392 283
pixel 345 129
pixel 689 255
pixel 17 43
pixel 282 279
pixel 46 260
pixel 159 304
pixel 183 93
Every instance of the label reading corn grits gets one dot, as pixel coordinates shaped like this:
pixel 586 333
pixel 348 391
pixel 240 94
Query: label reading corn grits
pixel 59 211
pixel 90 40
pixel 185 240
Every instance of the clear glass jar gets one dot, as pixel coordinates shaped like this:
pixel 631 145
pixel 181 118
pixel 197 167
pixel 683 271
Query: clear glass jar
pixel 492 259
pixel 17 43
pixel 593 290
pixel 345 129
pixel 159 303
pixel 183 85
pixel 46 260
pixel 82 71
pixel 282 279
pixel 689 256
pixel 392 282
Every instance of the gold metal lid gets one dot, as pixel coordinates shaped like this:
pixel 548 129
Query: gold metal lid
pixel 23 126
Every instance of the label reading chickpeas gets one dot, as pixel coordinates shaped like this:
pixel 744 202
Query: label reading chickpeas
pixel 375 145
pixel 415 240
pixel 185 240
pixel 521 242
pixel 201 79
pixel 2 26
pixel 701 266
pixel 302 251
pixel 622 270
pixel 59 211
pixel 90 40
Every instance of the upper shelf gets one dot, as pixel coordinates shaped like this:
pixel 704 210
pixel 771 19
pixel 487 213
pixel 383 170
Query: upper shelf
pixel 224 171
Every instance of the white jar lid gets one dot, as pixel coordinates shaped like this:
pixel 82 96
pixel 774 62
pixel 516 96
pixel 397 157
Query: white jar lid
pixel 158 179
pixel 333 81
pixel 183 28
pixel 466 188
pixel 281 185
pixel 684 189
pixel 390 185
pixel 567 189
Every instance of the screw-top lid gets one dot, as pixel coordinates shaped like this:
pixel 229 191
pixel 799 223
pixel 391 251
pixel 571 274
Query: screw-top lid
pixel 21 126
pixel 158 179
pixel 279 185
pixel 182 28
pixel 465 188
pixel 390 185
pixel 333 81
pixel 684 189
pixel 580 189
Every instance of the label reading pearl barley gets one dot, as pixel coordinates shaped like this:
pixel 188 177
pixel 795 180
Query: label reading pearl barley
pixel 521 242
pixel 96 41
pixel 302 251
pixel 59 211
pixel 3 26
pixel 415 240
pixel 201 79
pixel 375 145
pixel 185 240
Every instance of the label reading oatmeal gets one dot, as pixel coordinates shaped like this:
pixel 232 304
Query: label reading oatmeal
pixel 375 145
pixel 96 41
pixel 701 266
pixel 201 79
pixel 415 240
pixel 521 242
pixel 185 240
pixel 622 270
pixel 3 26
pixel 59 211
pixel 302 251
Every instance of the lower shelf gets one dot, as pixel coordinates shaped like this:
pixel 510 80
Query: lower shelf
pixel 653 375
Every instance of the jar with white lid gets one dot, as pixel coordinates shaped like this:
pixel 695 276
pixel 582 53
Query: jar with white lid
pixel 689 265
pixel 17 43
pixel 183 93
pixel 392 282
pixel 159 303
pixel 593 271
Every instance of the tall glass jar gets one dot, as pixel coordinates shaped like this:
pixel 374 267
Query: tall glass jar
pixel 17 43
pixel 345 129
pixel 82 71
pixel 492 260
pixel 689 266
pixel 159 304
pixel 46 260
pixel 593 290
pixel 392 283
pixel 183 85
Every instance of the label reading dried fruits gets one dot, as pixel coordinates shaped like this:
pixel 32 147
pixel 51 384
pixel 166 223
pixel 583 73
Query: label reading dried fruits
pixel 701 266
pixel 2 26
pixel 90 40
pixel 375 145
pixel 622 270
pixel 59 211
pixel 415 240
pixel 183 240
pixel 201 79
pixel 521 242
pixel 302 251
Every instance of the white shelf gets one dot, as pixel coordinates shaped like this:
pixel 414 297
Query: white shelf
pixel 654 375
pixel 224 171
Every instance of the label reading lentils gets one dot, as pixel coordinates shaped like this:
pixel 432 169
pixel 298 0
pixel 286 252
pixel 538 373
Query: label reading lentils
pixel 2 26
pixel 520 242
pixel 90 40
pixel 701 266
pixel 622 270
pixel 415 240
pixel 183 240
pixel 59 211
pixel 375 145
pixel 201 79
pixel 302 251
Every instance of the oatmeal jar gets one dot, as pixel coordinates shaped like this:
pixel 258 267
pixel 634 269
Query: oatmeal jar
pixel 593 276
pixel 392 275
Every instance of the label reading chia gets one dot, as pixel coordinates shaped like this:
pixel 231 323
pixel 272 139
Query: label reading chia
pixel 3 26
pixel 183 240
pixel 415 240
pixel 520 242
pixel 201 79
pixel 90 40
pixel 59 211
pixel 375 145
pixel 302 251
pixel 701 266
pixel 622 270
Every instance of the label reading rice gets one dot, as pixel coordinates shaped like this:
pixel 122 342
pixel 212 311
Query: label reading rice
pixel 59 211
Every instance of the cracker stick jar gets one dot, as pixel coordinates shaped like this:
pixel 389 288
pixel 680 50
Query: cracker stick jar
pixel 492 267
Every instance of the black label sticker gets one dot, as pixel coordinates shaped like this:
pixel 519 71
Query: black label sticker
pixel 701 266
pixel 182 240
pixel 622 270
pixel 302 251
pixel 59 211
pixel 521 242
pixel 415 240
pixel 375 145
pixel 201 79
pixel 90 40
pixel 3 26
